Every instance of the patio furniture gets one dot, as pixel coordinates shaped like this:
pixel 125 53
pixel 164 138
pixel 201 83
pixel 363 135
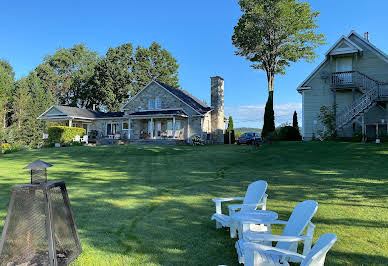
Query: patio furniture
pixel 300 219
pixel 256 220
pixel 85 139
pixel 254 197
pixel 169 134
pixel 256 254
pixel 77 138
pixel 110 136
pixel 117 136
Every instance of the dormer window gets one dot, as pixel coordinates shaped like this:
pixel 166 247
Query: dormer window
pixel 151 104
pixel 158 103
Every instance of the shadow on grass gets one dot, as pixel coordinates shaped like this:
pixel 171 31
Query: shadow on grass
pixel 154 203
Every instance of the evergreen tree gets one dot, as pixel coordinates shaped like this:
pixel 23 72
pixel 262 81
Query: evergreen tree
pixel 230 124
pixel 269 116
pixel 41 100
pixel 295 120
pixel 21 104
pixel 6 88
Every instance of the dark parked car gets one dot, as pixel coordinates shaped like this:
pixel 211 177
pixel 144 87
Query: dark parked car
pixel 248 138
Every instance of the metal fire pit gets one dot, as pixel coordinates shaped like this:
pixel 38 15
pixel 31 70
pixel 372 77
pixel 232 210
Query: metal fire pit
pixel 39 228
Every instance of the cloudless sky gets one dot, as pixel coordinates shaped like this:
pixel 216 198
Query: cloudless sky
pixel 197 33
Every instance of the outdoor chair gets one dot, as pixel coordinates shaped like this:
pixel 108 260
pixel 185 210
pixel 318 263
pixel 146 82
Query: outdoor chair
pixel 300 219
pixel 117 136
pixel 77 138
pixel 254 198
pixel 257 254
pixel 85 139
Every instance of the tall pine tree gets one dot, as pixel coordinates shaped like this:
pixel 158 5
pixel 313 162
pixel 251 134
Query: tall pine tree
pixel 6 88
pixel 295 120
pixel 21 104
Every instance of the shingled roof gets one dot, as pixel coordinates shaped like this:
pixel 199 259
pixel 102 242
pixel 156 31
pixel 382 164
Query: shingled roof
pixel 186 97
pixel 85 113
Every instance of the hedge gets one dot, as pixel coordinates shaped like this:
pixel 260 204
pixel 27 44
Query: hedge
pixel 289 133
pixel 63 135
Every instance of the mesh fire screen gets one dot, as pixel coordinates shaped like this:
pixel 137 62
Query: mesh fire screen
pixel 39 228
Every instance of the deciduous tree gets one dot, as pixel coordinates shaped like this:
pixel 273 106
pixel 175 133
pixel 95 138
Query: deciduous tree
pixel 272 34
pixel 154 63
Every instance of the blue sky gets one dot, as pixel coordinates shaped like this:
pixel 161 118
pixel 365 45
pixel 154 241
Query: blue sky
pixel 197 33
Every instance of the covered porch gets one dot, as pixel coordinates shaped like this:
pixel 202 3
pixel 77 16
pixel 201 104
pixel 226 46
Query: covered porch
pixel 158 125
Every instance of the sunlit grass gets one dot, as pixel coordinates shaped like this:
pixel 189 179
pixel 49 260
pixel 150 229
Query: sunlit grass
pixel 152 205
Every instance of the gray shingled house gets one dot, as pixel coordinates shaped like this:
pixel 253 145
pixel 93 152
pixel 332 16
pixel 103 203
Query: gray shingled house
pixel 354 77
pixel 157 112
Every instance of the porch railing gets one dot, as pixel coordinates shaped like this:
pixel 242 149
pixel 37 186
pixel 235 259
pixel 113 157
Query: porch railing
pixel 352 79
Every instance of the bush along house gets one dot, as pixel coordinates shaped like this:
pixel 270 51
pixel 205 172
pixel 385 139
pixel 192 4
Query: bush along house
pixel 354 78
pixel 157 113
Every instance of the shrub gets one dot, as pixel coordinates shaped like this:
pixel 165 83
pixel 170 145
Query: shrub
pixel 64 135
pixel 289 133
pixel 6 148
pixel 232 137
pixel 196 140
pixel 357 136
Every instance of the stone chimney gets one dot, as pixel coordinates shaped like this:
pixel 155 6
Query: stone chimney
pixel 366 36
pixel 217 115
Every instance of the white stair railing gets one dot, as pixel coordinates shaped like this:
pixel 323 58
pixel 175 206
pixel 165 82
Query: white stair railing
pixel 371 89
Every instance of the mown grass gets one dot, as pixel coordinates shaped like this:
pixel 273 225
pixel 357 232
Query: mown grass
pixel 139 205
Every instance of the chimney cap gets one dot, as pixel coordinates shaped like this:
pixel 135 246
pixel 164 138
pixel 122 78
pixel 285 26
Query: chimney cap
pixel 217 77
pixel 366 36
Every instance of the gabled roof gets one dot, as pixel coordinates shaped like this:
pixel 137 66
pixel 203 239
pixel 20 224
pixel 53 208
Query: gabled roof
pixel 352 47
pixel 75 112
pixel 377 51
pixel 185 97
pixel 349 47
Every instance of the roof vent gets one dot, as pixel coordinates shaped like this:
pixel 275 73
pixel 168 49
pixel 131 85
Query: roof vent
pixel 366 36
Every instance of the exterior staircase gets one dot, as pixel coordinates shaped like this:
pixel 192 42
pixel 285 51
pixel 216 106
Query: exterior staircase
pixel 373 92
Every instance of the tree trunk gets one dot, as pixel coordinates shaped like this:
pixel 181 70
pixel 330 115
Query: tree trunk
pixel 269 115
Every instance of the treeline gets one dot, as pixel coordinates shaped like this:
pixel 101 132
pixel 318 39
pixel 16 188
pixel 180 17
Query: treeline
pixel 78 77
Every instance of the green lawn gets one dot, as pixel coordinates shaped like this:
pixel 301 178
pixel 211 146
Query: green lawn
pixel 152 205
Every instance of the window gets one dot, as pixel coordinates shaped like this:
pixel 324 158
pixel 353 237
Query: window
pixel 177 125
pixel 158 103
pixel 151 104
pixel 125 125
pixel 169 125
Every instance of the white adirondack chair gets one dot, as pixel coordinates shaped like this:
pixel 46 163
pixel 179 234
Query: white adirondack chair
pixel 77 138
pixel 254 197
pixel 300 219
pixel 260 255
pixel 85 139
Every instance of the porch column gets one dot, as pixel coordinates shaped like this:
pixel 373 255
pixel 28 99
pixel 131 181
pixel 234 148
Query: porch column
pixel 129 128
pixel 377 130
pixel 152 128
pixel 70 123
pixel 173 127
